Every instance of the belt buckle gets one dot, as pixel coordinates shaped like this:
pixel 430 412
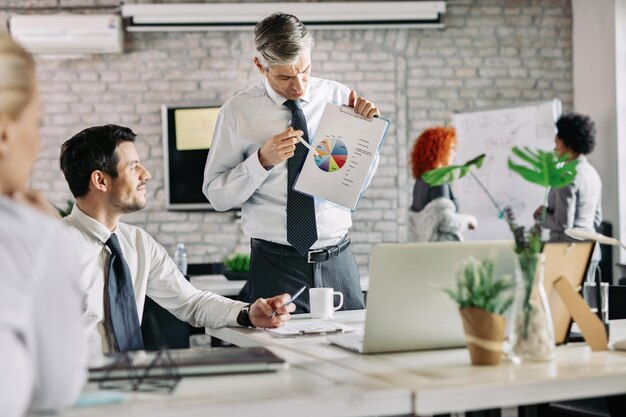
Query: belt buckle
pixel 313 252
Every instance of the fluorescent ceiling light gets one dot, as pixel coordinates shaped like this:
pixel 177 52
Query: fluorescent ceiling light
pixel 243 16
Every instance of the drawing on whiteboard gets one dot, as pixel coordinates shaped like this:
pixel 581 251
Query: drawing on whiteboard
pixel 495 132
pixel 333 154
pixel 504 143
pixel 546 130
pixel 507 118
pixel 471 186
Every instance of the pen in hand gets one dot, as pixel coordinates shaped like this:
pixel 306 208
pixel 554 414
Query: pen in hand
pixel 305 143
pixel 293 297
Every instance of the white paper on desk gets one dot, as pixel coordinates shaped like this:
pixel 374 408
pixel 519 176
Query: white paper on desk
pixel 311 328
pixel 347 144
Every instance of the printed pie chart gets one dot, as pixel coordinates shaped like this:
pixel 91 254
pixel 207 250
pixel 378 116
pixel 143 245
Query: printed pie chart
pixel 333 154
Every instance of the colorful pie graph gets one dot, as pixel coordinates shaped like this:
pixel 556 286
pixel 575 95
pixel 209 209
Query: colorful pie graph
pixel 333 154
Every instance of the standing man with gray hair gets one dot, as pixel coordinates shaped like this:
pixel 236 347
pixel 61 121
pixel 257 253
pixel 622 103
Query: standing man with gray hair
pixel 256 156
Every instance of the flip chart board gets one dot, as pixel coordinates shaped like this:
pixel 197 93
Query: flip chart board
pixel 494 132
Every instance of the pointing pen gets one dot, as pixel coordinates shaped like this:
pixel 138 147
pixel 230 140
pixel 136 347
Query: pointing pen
pixel 305 143
pixel 293 297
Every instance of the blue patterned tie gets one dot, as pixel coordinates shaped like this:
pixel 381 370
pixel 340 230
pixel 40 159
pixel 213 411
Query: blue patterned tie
pixel 122 318
pixel 301 225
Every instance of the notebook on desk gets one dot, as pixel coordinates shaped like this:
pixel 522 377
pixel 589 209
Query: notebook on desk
pixel 406 306
pixel 189 362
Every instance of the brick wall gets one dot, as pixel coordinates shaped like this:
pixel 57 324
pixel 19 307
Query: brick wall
pixel 491 53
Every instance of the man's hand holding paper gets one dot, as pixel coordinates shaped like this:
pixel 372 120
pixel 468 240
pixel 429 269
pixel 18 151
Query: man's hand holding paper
pixel 362 106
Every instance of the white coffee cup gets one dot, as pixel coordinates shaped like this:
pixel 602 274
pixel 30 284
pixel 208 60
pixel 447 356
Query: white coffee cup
pixel 322 302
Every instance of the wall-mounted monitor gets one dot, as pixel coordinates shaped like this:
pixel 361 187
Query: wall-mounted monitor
pixel 187 137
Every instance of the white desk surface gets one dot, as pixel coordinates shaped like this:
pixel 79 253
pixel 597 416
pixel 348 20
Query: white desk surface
pixel 218 284
pixel 310 387
pixel 305 390
pixel 444 381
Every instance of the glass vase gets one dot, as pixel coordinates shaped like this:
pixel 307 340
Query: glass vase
pixel 532 334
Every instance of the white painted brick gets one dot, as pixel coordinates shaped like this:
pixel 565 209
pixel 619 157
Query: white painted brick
pixel 67 119
pixel 84 87
pixel 492 52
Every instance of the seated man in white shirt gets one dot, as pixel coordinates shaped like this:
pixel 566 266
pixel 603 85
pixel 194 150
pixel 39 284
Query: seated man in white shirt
pixel 105 176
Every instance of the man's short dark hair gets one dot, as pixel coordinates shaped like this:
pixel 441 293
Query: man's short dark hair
pixel 90 150
pixel 578 132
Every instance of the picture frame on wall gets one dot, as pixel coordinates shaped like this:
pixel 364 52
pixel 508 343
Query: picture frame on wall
pixel 187 138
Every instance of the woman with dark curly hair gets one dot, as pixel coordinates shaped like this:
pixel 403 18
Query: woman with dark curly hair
pixel 578 204
pixel 434 212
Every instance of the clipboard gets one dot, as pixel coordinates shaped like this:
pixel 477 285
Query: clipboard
pixel 347 144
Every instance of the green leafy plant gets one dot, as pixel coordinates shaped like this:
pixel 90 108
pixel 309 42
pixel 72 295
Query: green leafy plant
pixel 64 212
pixel 543 168
pixel 451 173
pixel 477 287
pixel 239 262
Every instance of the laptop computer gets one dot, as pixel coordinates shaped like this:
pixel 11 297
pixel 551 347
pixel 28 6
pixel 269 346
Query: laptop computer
pixel 406 306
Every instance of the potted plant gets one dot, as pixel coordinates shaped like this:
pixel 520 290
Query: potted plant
pixel 237 267
pixel 482 300
pixel 532 335
pixel 67 210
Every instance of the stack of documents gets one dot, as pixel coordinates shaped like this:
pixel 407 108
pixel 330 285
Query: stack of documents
pixel 311 328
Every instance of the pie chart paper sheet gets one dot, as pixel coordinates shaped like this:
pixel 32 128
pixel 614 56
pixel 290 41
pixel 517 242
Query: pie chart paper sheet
pixel 347 144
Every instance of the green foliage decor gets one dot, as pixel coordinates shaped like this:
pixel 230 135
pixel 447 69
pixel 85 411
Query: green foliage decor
pixel 477 287
pixel 64 212
pixel 238 263
pixel 451 173
pixel 543 168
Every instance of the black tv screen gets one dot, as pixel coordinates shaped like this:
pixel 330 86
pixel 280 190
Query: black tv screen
pixel 187 137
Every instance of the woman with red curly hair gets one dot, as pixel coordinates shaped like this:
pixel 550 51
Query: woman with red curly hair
pixel 433 215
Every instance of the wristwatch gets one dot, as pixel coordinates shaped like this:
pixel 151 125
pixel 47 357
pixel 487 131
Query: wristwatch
pixel 243 319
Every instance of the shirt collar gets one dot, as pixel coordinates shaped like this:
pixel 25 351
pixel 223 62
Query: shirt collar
pixel 278 99
pixel 90 225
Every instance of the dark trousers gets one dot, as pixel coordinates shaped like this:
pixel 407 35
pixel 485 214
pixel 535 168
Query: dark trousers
pixel 276 269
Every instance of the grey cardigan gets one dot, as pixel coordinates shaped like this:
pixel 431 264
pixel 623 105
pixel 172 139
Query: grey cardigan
pixel 577 205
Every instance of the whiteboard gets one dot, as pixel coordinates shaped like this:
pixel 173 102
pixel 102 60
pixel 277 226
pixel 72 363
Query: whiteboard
pixel 494 132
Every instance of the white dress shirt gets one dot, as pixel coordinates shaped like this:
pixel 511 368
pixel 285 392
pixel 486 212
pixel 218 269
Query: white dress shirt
pixel 43 357
pixel 233 175
pixel 153 273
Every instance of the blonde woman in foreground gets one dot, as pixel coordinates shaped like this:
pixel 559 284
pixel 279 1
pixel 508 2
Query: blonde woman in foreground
pixel 42 347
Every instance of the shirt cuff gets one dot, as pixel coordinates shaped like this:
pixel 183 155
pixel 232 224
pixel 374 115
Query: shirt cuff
pixel 234 313
pixel 255 169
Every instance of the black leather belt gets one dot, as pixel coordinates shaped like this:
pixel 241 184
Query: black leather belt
pixel 312 256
